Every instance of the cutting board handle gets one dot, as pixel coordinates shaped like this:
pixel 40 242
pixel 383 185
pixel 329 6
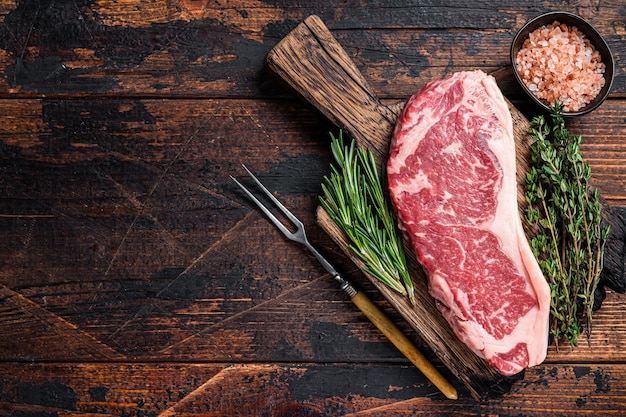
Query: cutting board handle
pixel 313 62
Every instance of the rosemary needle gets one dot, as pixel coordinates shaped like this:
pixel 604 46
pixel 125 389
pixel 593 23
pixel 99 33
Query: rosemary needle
pixel 354 199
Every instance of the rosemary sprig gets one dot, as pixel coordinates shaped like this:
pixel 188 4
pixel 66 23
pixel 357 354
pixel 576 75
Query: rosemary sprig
pixel 566 213
pixel 354 199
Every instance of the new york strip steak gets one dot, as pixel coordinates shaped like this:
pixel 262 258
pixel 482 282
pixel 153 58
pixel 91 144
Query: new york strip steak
pixel 452 180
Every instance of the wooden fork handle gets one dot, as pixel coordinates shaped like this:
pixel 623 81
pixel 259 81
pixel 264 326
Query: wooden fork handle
pixel 403 344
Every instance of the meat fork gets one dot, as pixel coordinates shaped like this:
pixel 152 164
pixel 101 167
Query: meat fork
pixel 373 313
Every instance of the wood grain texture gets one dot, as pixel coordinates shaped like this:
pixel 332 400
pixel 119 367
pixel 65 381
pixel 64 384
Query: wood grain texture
pixel 311 60
pixel 136 280
pixel 287 390
pixel 179 49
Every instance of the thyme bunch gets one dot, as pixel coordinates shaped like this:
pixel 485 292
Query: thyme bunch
pixel 566 214
pixel 354 199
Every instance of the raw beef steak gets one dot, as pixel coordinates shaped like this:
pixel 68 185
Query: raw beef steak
pixel 452 179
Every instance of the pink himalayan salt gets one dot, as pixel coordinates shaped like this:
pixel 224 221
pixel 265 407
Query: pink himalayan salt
pixel 557 62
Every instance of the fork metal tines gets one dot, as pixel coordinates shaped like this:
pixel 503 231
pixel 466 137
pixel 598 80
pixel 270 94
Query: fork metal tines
pixel 299 235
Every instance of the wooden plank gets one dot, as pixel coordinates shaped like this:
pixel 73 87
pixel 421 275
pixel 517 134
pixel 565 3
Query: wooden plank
pixel 187 49
pixel 51 131
pixel 193 389
pixel 606 337
pixel 117 388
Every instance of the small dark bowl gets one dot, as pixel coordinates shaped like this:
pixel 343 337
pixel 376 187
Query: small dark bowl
pixel 592 35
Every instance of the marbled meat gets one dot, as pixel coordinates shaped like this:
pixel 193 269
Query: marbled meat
pixel 452 180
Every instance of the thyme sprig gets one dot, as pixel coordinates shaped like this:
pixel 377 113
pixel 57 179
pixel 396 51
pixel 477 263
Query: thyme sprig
pixel 354 199
pixel 566 214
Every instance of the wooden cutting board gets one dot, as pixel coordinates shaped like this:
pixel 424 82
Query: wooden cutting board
pixel 311 61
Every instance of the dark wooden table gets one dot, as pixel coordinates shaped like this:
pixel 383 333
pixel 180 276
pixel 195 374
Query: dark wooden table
pixel 135 279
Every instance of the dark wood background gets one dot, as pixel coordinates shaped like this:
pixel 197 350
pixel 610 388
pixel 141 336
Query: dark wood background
pixel 136 280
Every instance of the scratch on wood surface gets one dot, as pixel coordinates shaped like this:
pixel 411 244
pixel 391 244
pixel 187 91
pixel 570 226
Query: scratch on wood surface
pixel 238 374
pixel 142 206
pixel 201 389
pixel 395 406
pixel 60 334
pixel 244 312
pixel 81 17
pixel 223 240
pixel 20 60
pixel 165 235
pixel 385 47
pixel 256 121
pixel 226 238
pixel 128 195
